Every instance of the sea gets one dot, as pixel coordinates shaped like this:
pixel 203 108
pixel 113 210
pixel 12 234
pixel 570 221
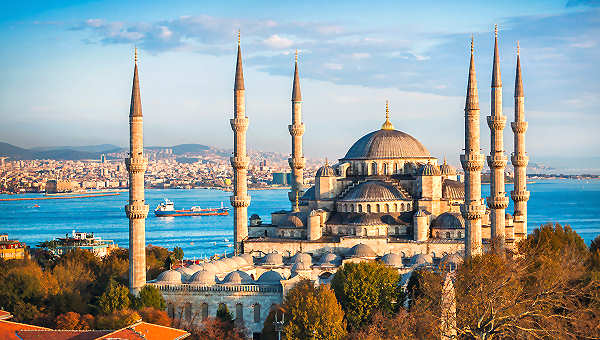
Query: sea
pixel 572 202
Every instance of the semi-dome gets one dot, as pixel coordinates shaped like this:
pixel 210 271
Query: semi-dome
pixel 385 144
pixel 237 277
pixel 453 259
pixel 392 259
pixel 429 170
pixel 373 191
pixel 449 220
pixel 248 258
pixel 302 257
pixel 325 171
pixel 169 277
pixel 240 261
pixel 210 267
pixel 273 259
pixel 294 221
pixel 195 267
pixel 422 260
pixel 270 277
pixel 362 250
pixel 203 277
pixel 300 266
pixel 447 170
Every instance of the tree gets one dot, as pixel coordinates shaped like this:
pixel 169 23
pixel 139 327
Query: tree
pixel 217 329
pixel 178 253
pixel 156 316
pixel 150 296
pixel 117 319
pixel 115 298
pixel 595 258
pixel 72 320
pixel 363 288
pixel 312 313
pixel 223 313
pixel 24 289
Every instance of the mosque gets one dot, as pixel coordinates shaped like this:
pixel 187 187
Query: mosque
pixel 386 200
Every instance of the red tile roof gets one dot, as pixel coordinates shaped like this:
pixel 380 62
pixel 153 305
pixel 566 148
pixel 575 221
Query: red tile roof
pixel 123 333
pixel 9 329
pixel 60 334
pixel 4 315
pixel 152 331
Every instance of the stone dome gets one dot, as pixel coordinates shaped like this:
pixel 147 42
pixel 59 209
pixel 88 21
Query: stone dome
pixel 237 277
pixel 362 250
pixel 429 170
pixel 447 170
pixel 273 259
pixel 454 259
pixel 449 220
pixel 195 267
pixel 221 266
pixel 270 277
pixel 370 191
pixel 329 258
pixel 392 259
pixel 240 261
pixel 231 263
pixel 421 260
pixel 300 266
pixel 186 271
pixel 302 257
pixel 325 171
pixel 385 144
pixel 248 258
pixel 169 277
pixel 295 221
pixel 210 267
pixel 203 277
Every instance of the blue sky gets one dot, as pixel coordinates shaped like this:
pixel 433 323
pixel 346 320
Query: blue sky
pixel 67 68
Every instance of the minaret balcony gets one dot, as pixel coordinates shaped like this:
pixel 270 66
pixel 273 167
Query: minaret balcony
pixel 137 211
pixel 519 127
pixel 498 160
pixel 497 202
pixel 496 122
pixel 519 160
pixel 297 163
pixel 239 124
pixel 472 161
pixel 296 129
pixel 472 211
pixel 239 201
pixel 520 196
pixel 239 162
pixel 136 164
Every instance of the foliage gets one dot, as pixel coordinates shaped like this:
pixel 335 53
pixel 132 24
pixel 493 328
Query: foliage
pixel 155 260
pixel 217 329
pixel 150 296
pixel 118 319
pixel 156 316
pixel 268 331
pixel 178 253
pixel 402 326
pixel 72 320
pixel 115 298
pixel 363 288
pixel 312 313
pixel 554 239
pixel 595 258
pixel 223 313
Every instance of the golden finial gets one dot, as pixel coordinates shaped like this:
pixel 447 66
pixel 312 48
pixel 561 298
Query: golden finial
pixel 387 125
pixel 239 36
pixel 518 48
pixel 326 162
pixel 135 54
pixel 496 30
pixel 296 208
pixel 472 38
pixel 445 160
pixel 296 56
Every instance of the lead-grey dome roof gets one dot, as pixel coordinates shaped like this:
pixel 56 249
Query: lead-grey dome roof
pixel 273 259
pixel 237 277
pixel 203 277
pixel 449 220
pixel 362 250
pixel 169 276
pixel 387 144
pixel 325 171
pixel 373 191
pixel 392 259
pixel 270 276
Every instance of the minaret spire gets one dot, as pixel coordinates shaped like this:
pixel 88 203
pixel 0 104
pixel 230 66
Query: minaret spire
pixel 136 210
pixel 239 124
pixel 519 158
pixel 296 129
pixel 472 162
pixel 497 201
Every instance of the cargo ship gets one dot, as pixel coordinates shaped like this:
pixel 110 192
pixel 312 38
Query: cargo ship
pixel 167 209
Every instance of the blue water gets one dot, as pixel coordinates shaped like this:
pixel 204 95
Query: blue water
pixel 576 203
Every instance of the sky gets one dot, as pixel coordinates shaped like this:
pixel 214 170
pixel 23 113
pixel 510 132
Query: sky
pixel 67 71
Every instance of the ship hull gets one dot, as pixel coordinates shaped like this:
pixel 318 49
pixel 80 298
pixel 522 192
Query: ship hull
pixel 211 212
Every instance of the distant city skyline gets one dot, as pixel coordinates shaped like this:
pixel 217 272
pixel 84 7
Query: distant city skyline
pixel 68 68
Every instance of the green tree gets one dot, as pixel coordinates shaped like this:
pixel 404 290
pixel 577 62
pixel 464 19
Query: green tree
pixel 554 239
pixel 223 313
pixel 115 298
pixel 117 319
pixel 312 313
pixel 178 253
pixel 365 287
pixel 150 296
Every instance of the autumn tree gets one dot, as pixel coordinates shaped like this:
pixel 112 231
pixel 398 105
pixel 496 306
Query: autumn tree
pixel 363 288
pixel 117 319
pixel 72 320
pixel 178 253
pixel 115 298
pixel 217 329
pixel 156 316
pixel 312 313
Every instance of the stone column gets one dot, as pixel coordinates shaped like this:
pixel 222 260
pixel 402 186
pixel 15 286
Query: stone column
pixel 239 124
pixel 136 210
pixel 297 161
pixel 472 162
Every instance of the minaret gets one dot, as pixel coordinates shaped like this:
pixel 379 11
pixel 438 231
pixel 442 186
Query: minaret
pixel 472 162
pixel 136 210
pixel 497 202
pixel 296 129
pixel 239 124
pixel 519 159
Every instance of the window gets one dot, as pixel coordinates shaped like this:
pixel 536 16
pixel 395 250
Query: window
pixel 187 311
pixel 459 234
pixel 359 208
pixel 395 168
pixel 378 208
pixel 447 234
pixel 204 310
pixel 239 312
pixel 397 230
pixel 385 169
pixel 437 234
pixel 256 312
pixel 387 208
pixel 407 206
pixel 171 310
pixel 395 207
pixel 368 208
pixel 352 208
pixel 402 207
pixel 374 168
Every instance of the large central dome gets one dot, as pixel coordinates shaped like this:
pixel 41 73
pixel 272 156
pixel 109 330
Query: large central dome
pixel 387 143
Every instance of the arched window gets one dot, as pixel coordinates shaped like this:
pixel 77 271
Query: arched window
pixel 395 168
pixel 368 208
pixel 204 311
pixel 402 207
pixel 437 234
pixel 352 207
pixel 397 230
pixel 407 206
pixel 256 312
pixel 378 208
pixel 359 208
pixel 365 169
pixel 374 169
pixel 171 310
pixel 459 234
pixel 385 169
pixel 365 232
pixel 447 234
pixel 239 312
pixel 395 207
pixel 387 208
pixel 187 311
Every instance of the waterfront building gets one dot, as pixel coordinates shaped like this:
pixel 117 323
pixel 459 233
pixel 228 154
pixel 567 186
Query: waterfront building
pixel 11 249
pixel 57 186
pixel 282 178
pixel 80 240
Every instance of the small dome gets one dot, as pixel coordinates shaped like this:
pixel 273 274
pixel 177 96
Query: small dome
pixel 255 217
pixel 329 258
pixel 194 267
pixel 373 191
pixel 447 170
pixel 449 220
pixel 169 277
pixel 221 267
pixel 203 277
pixel 362 250
pixel 270 277
pixel 452 259
pixel 237 277
pixel 210 267
pixel 295 221
pixel 186 270
pixel 248 258
pixel 325 171
pixel 429 170
pixel 392 259
pixel 273 259
pixel 241 262
pixel 421 260
pixel 300 266
pixel 302 257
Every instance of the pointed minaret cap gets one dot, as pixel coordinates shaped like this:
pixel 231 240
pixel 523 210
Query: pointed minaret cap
pixel 135 109
pixel 387 125
pixel 239 73
pixel 496 78
pixel 296 204
pixel 518 79
pixel 296 95
pixel 472 102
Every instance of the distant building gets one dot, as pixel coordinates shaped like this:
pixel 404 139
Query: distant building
pixel 103 158
pixel 11 249
pixel 282 178
pixel 55 185
pixel 85 241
